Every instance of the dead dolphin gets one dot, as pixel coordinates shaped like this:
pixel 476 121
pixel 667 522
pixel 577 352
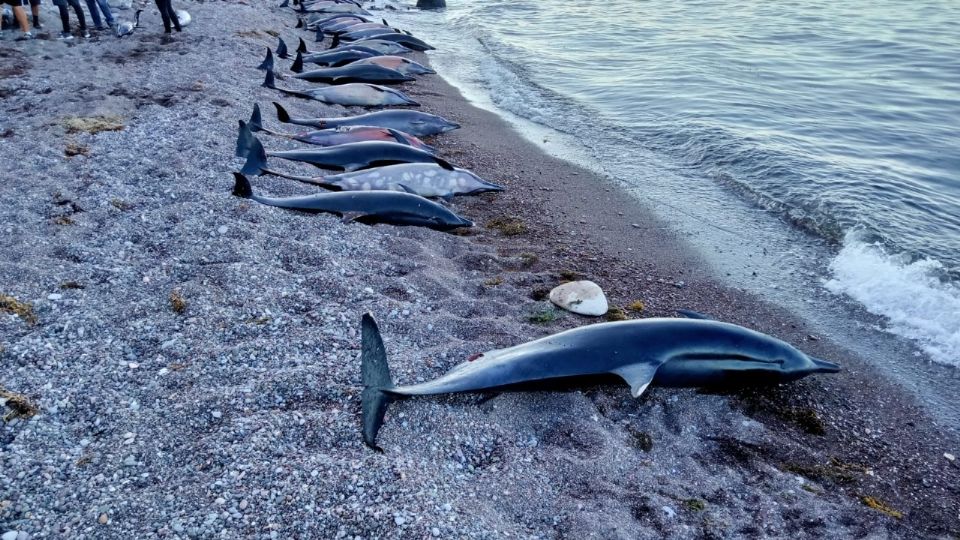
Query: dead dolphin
pixel 419 124
pixel 341 135
pixel 399 63
pixel 368 73
pixel 381 45
pixel 400 38
pixel 424 179
pixel 343 157
pixel 356 94
pixel 391 207
pixel 666 352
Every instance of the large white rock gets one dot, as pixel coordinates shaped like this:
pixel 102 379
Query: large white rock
pixel 583 297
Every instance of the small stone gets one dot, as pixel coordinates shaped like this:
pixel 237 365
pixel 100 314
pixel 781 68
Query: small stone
pixel 222 229
pixel 133 365
pixel 22 535
pixel 220 500
pixel 949 456
pixel 435 532
pixel 103 519
pixel 54 296
pixel 216 414
pixel 129 462
pixel 399 520
pixel 9 535
pixel 583 297
pixel 670 512
pixel 244 504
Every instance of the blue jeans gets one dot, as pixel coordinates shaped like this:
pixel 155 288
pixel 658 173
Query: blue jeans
pixel 105 7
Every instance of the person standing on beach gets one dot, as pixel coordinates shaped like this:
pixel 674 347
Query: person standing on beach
pixel 168 15
pixel 35 11
pixel 105 8
pixel 65 18
pixel 20 15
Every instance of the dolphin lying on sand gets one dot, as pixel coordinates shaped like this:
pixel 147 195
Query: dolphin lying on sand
pixel 415 123
pixel 344 157
pixel 341 135
pixel 370 73
pixel 666 352
pixel 365 206
pixel 424 179
pixel 358 94
pixel 398 63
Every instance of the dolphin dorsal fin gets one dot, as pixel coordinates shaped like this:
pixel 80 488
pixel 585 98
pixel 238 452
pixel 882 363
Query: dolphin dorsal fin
pixel 638 376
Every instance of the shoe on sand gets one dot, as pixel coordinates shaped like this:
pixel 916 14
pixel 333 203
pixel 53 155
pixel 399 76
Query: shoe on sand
pixel 65 36
pixel 26 36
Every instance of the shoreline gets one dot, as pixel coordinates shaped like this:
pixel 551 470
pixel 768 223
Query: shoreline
pixel 244 404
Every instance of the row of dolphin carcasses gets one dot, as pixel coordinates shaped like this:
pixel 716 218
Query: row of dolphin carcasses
pixel 379 165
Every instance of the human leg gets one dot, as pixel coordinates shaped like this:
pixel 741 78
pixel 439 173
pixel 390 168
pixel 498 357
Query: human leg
pixel 35 11
pixel 164 14
pixel 94 13
pixel 107 14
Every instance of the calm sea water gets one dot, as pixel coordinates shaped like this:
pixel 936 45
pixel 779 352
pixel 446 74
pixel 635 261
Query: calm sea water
pixel 842 119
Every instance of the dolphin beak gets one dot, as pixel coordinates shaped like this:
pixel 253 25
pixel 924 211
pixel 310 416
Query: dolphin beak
pixel 825 367
pixel 494 187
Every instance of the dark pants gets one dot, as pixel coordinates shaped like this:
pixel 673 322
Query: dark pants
pixel 168 15
pixel 104 7
pixel 65 15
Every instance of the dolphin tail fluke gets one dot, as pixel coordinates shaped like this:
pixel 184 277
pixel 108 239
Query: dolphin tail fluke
pixel 267 63
pixel 297 66
pixel 244 141
pixel 256 155
pixel 376 379
pixel 256 120
pixel 241 186
pixel 282 115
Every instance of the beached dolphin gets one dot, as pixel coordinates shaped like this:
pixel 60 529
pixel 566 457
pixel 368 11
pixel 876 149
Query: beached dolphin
pixel 406 40
pixel 399 63
pixel 357 94
pixel 424 179
pixel 369 73
pixel 354 33
pixel 391 207
pixel 343 157
pixel 419 124
pixel 665 352
pixel 341 135
pixel 380 45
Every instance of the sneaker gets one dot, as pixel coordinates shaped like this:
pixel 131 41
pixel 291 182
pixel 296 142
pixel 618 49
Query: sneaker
pixel 100 28
pixel 84 32
pixel 38 26
pixel 65 36
pixel 26 36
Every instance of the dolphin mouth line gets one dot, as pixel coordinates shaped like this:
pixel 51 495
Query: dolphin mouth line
pixel 825 366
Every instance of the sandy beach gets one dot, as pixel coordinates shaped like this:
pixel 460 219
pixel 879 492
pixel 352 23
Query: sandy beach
pixel 193 357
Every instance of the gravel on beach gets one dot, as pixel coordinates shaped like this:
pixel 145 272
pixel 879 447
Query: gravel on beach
pixel 193 357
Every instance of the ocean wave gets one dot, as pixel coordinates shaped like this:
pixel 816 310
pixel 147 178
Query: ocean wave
pixel 911 294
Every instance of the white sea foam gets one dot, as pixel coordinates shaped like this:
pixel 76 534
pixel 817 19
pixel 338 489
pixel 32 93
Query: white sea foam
pixel 910 294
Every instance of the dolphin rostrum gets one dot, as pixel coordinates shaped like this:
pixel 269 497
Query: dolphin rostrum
pixel 666 352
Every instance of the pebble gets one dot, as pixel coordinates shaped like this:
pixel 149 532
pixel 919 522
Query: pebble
pixel 9 535
pixel 435 532
pixel 399 520
pixel 54 296
pixel 103 519
pixel 670 512
pixel 223 229
pixel 949 456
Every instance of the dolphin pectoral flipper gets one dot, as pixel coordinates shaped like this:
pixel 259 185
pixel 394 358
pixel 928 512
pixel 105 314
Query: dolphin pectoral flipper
pixel 638 376
pixel 690 314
